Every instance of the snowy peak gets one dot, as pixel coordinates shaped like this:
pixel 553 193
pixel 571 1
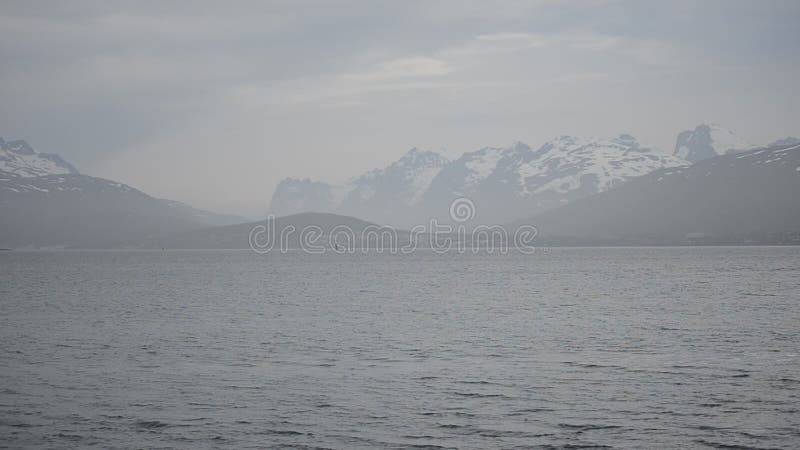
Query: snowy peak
pixel 479 166
pixel 414 173
pixel 404 180
pixel 415 162
pixel 587 165
pixel 707 141
pixel 747 197
pixel 378 194
pixel 295 194
pixel 19 147
pixel 505 181
pixel 18 159
pixel 418 157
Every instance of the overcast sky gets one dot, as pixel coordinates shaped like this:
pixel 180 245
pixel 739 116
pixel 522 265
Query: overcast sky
pixel 213 104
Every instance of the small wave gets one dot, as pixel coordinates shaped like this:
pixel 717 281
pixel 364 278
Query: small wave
pixel 419 436
pixel 592 365
pixel 283 432
pixel 531 410
pixel 426 446
pixel 17 425
pixel 150 424
pixel 788 380
pixel 479 395
pixel 69 437
pixel 576 446
pixel 721 445
pixel 587 427
pixel 490 433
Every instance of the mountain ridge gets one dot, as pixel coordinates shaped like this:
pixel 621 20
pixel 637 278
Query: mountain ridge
pixel 732 198
pixel 502 181
pixel 46 202
pixel 19 159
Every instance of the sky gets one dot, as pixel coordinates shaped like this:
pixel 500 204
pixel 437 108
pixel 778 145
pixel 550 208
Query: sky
pixel 213 103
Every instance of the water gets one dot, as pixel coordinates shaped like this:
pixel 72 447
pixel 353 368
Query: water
pixel 624 348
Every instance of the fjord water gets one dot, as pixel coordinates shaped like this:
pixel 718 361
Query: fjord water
pixel 622 348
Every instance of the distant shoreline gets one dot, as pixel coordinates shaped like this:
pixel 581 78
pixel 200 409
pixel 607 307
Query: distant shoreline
pixel 369 250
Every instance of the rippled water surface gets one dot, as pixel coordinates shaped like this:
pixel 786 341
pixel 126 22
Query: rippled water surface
pixel 622 348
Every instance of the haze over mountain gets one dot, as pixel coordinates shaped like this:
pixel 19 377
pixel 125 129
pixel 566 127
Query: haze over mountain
pixel 45 201
pixel 707 141
pixel 237 236
pixel 737 198
pixel 504 183
pixel 18 159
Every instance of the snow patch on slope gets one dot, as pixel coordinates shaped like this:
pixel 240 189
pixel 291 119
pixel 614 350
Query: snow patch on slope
pixel 568 163
pixel 18 159
pixel 724 141
pixel 420 183
pixel 482 163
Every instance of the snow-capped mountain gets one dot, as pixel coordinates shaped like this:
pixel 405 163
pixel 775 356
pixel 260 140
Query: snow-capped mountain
pixel 707 141
pixel 44 201
pixel 296 195
pixel 385 195
pixel 18 159
pixel 747 197
pixel 504 183
pixel 405 179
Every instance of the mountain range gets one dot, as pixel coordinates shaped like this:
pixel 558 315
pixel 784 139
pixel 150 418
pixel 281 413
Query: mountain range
pixel 715 187
pixel 740 198
pixel 45 201
pixel 734 198
pixel 502 182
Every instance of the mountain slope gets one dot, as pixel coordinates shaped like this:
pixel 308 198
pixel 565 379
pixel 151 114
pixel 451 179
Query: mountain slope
pixel 727 199
pixel 707 141
pixel 385 195
pixel 18 159
pixel 505 182
pixel 44 201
